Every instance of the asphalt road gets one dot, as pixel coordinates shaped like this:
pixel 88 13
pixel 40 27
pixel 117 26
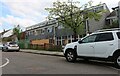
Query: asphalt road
pixel 27 63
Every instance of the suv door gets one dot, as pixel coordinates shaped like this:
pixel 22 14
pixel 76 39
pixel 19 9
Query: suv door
pixel 86 46
pixel 104 44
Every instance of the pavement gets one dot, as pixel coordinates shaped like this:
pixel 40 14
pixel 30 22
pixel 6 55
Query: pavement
pixel 43 52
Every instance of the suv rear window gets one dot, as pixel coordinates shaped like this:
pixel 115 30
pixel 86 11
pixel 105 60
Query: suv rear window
pixel 118 34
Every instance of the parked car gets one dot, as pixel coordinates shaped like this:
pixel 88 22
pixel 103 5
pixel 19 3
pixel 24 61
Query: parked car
pixel 102 44
pixel 10 46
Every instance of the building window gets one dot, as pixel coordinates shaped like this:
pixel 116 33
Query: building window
pixel 58 42
pixel 63 42
pixel 38 31
pixel 69 41
pixel 98 9
pixel 31 32
pixel 64 37
pixel 69 37
pixel 28 33
pixel 49 29
pixel 51 41
pixel 42 31
pixel 59 37
pixel 46 29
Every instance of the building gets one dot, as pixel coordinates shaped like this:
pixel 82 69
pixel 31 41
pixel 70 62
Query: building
pixel 2 36
pixel 8 35
pixel 97 25
pixel 112 17
pixel 53 32
pixel 113 20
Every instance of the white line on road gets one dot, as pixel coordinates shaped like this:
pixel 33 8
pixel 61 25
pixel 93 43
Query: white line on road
pixel 5 63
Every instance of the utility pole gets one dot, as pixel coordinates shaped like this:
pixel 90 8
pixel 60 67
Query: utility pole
pixel 1 36
pixel 119 13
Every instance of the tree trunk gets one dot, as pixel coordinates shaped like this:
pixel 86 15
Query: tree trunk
pixel 75 35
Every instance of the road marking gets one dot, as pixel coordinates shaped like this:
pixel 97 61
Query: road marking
pixel 5 63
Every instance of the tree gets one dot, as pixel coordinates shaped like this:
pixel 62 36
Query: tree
pixel 17 32
pixel 73 16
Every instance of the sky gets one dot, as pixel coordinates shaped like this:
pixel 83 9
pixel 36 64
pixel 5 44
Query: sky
pixel 30 12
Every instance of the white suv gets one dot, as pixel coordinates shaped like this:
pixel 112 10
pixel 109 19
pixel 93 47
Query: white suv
pixel 102 44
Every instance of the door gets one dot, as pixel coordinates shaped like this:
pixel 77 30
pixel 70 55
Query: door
pixel 86 46
pixel 104 44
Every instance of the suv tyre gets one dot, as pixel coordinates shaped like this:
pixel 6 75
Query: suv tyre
pixel 71 56
pixel 117 61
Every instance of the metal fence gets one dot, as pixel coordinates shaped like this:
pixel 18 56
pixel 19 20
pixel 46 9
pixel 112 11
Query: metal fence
pixel 25 44
pixel 48 47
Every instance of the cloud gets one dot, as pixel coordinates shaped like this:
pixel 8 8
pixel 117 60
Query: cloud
pixel 32 9
pixel 25 12
pixel 11 20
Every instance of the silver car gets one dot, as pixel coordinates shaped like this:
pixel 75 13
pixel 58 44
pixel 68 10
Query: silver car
pixel 11 46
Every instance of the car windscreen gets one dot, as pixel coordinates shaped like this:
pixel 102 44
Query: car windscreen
pixel 118 34
pixel 12 43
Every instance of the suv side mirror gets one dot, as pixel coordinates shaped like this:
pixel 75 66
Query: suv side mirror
pixel 80 41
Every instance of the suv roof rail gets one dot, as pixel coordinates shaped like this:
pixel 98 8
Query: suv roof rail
pixel 114 29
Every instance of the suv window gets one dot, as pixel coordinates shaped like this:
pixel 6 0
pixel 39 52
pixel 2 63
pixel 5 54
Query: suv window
pixel 104 37
pixel 118 34
pixel 88 39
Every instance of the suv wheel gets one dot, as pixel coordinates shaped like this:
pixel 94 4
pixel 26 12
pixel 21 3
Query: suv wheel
pixel 71 56
pixel 117 61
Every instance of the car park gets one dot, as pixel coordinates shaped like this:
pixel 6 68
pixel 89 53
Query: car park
pixel 100 45
pixel 11 46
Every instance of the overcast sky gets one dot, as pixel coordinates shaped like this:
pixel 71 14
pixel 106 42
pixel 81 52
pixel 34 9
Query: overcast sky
pixel 30 12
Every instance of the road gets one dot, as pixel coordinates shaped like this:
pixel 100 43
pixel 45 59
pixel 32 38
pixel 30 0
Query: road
pixel 27 63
